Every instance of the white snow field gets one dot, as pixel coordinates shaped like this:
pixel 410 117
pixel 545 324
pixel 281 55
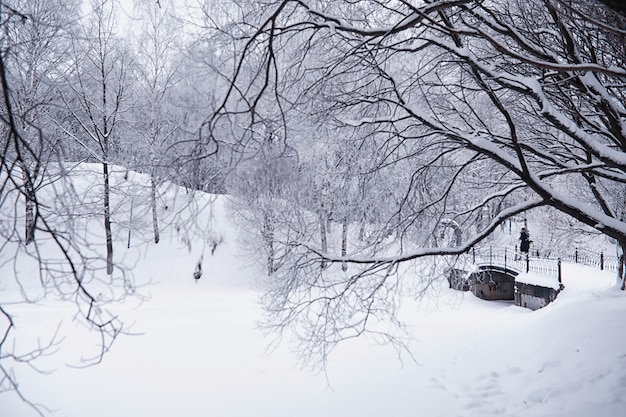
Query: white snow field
pixel 197 351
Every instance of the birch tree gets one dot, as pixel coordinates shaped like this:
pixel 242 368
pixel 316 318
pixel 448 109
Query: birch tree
pixel 158 119
pixel 97 94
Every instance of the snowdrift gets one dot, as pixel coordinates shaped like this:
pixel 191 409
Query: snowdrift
pixel 195 348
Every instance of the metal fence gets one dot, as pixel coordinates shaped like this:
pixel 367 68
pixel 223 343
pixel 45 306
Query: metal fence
pixel 516 261
pixel 595 259
pixel 549 266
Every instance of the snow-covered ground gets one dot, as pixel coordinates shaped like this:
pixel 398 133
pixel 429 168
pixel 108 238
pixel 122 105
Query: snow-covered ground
pixel 197 351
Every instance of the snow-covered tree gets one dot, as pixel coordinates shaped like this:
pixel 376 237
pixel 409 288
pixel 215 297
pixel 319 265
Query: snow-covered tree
pixel 35 35
pixel 55 263
pixel 97 95
pixel 158 120
pixel 492 109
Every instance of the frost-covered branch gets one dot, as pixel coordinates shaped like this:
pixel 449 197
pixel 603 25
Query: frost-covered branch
pixel 406 117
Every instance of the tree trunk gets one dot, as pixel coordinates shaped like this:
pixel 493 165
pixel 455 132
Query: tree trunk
pixel 622 246
pixel 107 219
pixel 155 222
pixel 323 237
pixel 268 236
pixel 344 243
pixel 622 266
pixel 29 221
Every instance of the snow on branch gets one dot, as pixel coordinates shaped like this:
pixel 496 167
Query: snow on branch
pixel 405 22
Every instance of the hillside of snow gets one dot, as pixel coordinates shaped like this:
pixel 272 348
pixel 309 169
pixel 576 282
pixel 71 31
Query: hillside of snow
pixel 195 350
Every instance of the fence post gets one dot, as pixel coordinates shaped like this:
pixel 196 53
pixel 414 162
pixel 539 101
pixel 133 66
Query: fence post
pixel 505 249
pixel 474 255
pixel 576 255
pixel 559 269
pixel 130 223
pixel 527 263
pixel 602 261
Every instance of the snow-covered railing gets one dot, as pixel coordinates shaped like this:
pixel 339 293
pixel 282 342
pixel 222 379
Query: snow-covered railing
pixel 496 256
pixel 594 259
pixel 516 261
pixel 513 260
